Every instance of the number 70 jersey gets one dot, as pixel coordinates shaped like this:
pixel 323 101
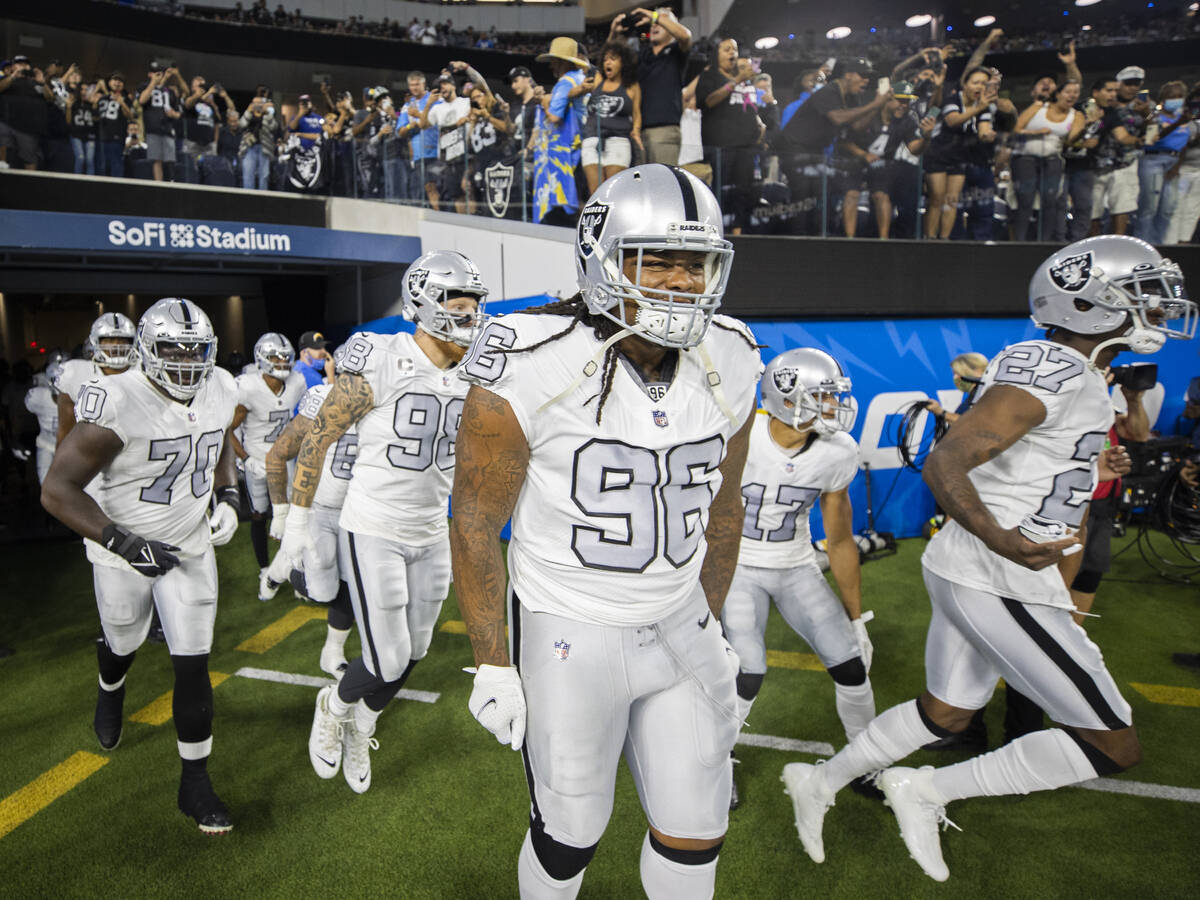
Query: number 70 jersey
pixel 1050 471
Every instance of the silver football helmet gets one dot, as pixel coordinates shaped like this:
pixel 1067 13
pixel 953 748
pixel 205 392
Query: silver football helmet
pixel 645 210
pixel 806 388
pixel 274 355
pixel 429 283
pixel 176 346
pixel 1096 285
pixel 112 341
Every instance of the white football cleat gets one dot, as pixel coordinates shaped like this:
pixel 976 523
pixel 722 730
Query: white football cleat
pixel 333 661
pixel 356 756
pixel 267 586
pixel 811 799
pixel 910 794
pixel 325 739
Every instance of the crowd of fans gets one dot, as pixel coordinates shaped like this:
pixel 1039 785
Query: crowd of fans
pixel 849 151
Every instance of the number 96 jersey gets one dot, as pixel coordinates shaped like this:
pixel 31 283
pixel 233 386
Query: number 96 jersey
pixel 609 525
pixel 1050 471
pixel 159 484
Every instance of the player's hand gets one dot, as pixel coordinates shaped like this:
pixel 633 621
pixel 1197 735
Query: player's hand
pixel 865 649
pixel 255 467
pixel 223 524
pixel 498 703
pixel 149 558
pixel 1011 544
pixel 279 514
pixel 1113 463
pixel 296 538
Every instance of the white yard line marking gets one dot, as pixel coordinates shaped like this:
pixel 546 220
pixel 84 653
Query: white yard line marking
pixel 771 742
pixel 318 682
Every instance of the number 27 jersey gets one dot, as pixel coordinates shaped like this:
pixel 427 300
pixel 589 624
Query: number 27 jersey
pixel 1050 471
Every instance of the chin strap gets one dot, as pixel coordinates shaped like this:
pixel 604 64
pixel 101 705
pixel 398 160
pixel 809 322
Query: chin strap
pixel 714 383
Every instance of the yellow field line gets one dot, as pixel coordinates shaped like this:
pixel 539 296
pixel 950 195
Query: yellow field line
pixel 1167 694
pixel 158 712
pixel 278 630
pixel 454 626
pixel 28 801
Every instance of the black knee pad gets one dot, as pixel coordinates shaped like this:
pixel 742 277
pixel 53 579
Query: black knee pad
pixel 560 861
pixel 341 615
pixel 850 673
pixel 382 696
pixel 358 681
pixel 1101 761
pixel 1087 581
pixel 192 701
pixel 749 684
pixel 685 857
pixel 299 585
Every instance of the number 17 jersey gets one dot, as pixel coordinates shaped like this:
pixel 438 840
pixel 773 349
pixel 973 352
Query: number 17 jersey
pixel 1051 471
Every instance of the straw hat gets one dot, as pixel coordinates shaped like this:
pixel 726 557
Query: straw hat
pixel 566 49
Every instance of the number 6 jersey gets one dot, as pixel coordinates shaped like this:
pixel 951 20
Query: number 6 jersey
pixel 1050 471
pixel 159 484
pixel 609 524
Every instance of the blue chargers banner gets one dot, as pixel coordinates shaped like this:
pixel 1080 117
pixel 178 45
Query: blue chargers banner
pixel 30 230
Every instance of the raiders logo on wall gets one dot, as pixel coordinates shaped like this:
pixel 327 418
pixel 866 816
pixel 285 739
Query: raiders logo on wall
pixel 591 226
pixel 306 173
pixel 1072 273
pixel 785 380
pixel 497 182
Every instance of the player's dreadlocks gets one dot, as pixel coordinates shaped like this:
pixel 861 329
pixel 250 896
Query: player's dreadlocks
pixel 603 328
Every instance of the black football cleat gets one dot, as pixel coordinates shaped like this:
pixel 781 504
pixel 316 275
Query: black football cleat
pixel 198 800
pixel 865 786
pixel 108 719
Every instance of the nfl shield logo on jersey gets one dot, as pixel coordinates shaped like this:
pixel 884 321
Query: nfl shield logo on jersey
pixel 1072 274
pixel 562 649
pixel 660 418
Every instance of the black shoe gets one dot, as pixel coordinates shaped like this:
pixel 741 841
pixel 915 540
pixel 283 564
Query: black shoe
pixel 198 800
pixel 864 785
pixel 734 800
pixel 968 740
pixel 108 719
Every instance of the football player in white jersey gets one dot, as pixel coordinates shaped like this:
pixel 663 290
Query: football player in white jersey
pixel 1016 474
pixel 316 574
pixel 613 427
pixel 42 401
pixel 151 446
pixel 266 399
pixel 801 450
pixel 404 396
pixel 111 340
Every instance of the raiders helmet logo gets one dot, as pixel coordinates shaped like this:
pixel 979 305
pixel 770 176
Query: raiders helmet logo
pixel 1072 273
pixel 591 226
pixel 416 280
pixel 785 380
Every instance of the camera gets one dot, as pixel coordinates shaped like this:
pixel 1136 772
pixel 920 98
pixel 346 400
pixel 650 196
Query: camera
pixel 217 88
pixel 1064 46
pixel 934 60
pixel 1136 377
pixel 642 27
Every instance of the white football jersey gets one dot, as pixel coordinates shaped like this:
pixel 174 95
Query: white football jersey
pixel 159 484
pixel 339 459
pixel 405 463
pixel 609 525
pixel 1051 471
pixel 73 375
pixel 40 401
pixel 267 413
pixel 780 487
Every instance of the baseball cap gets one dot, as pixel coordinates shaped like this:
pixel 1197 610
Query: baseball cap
pixel 20 58
pixel 155 66
pixel 855 64
pixel 443 79
pixel 1132 73
pixel 313 340
pixel 904 90
pixel 518 71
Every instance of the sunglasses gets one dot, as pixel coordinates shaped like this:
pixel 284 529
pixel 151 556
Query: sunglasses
pixel 1132 82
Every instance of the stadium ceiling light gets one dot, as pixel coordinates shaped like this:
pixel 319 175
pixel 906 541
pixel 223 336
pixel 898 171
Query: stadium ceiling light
pixel 985 21
pixel 766 43
pixel 918 20
pixel 1085 28
pixel 836 34
pixel 1086 2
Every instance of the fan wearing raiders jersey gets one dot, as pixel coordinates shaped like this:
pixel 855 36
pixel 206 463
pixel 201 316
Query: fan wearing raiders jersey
pixel 801 451
pixel 402 394
pixel 111 338
pixel 266 398
pixel 613 428
pixel 1016 474
pixel 316 575
pixel 152 447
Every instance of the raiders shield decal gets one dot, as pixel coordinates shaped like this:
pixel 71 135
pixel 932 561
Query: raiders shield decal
pixel 416 279
pixel 497 182
pixel 591 226
pixel 1072 273
pixel 785 380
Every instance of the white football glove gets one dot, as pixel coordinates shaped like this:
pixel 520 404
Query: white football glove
pixel 498 703
pixel 279 514
pixel 223 524
pixel 296 538
pixel 255 467
pixel 864 642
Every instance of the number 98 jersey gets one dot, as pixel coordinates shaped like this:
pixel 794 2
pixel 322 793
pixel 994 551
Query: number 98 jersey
pixel 405 462
pixel 159 484
pixel 1050 471
pixel 609 525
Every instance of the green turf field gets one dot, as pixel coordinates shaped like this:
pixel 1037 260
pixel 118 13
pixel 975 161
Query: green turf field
pixel 448 807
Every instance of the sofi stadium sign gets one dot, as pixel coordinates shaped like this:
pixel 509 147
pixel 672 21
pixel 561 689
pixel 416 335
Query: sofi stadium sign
pixel 202 236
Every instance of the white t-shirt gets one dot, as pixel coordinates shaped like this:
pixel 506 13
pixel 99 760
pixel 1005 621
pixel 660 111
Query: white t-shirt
pixel 1050 471
pixel 780 487
pixel 339 459
pixel 609 524
pixel 267 413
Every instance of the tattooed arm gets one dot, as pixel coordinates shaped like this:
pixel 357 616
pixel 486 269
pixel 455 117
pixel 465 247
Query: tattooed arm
pixel 491 456
pixel 987 429
pixel 286 446
pixel 349 400
pixel 725 517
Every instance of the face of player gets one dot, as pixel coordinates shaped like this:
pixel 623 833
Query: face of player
pixel 184 361
pixel 666 270
pixel 463 308
pixel 116 346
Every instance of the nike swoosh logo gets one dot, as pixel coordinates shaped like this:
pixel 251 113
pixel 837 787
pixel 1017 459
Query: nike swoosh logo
pixel 328 762
pixel 362 779
pixel 703 623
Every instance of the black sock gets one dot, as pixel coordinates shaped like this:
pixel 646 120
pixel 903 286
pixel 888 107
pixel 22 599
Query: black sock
pixel 258 537
pixel 341 616
pixel 194 768
pixel 112 667
pixel 192 702
pixel 379 698
pixel 358 681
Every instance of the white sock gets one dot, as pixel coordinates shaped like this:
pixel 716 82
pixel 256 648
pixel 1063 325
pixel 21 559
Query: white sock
pixel 663 879
pixel 890 736
pixel 855 706
pixel 536 884
pixel 1039 761
pixel 337 705
pixel 742 706
pixel 336 637
pixel 104 686
pixel 195 749
pixel 365 717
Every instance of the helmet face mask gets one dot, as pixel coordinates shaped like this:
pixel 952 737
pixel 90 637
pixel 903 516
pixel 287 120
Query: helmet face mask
pixel 806 389
pixel 434 282
pixel 111 341
pixel 177 347
pixel 274 356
